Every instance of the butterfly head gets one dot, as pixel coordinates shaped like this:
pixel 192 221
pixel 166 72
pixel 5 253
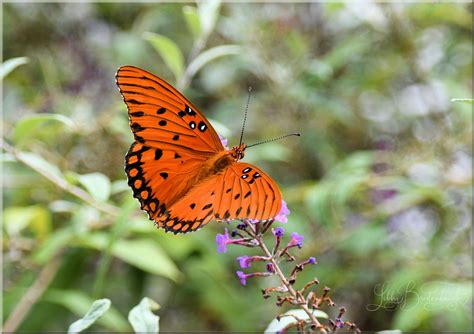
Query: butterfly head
pixel 238 152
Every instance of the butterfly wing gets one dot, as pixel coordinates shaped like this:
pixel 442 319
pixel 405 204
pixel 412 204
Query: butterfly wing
pixel 173 139
pixel 162 117
pixel 246 192
pixel 242 191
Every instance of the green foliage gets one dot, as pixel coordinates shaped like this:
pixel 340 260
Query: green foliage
pixel 97 309
pixel 380 182
pixel 142 318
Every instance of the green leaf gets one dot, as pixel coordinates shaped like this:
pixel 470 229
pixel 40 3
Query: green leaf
pixel 207 56
pixel 79 303
pixel 9 65
pixel 60 239
pixel 168 50
pixel 136 252
pixel 279 325
pixel 191 16
pixel 96 184
pixel 142 318
pixel 33 126
pixel 468 101
pixel 97 309
pixel 37 162
pixel 37 218
pixel 146 255
pixel 208 12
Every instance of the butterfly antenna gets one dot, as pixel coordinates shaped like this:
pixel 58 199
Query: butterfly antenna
pixel 245 116
pixel 275 139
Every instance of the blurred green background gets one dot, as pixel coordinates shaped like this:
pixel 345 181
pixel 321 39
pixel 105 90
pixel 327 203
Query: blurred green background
pixel 379 183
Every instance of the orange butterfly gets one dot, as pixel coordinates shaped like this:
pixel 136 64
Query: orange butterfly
pixel 178 168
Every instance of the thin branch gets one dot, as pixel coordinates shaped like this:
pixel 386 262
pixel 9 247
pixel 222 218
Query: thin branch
pixel 61 183
pixel 32 295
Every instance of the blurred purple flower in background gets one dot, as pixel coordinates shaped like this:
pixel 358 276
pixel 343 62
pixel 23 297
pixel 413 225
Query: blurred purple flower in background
pixel 284 212
pixel 224 142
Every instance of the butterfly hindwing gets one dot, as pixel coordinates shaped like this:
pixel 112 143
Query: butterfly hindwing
pixel 156 176
pixel 247 192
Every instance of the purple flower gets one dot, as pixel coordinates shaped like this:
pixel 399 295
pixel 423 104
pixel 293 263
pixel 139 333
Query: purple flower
pixel 380 194
pixel 242 277
pixel 224 142
pixel 296 240
pixel 312 260
pixel 245 261
pixel 339 323
pixel 284 212
pixel 278 232
pixel 222 240
pixel 270 268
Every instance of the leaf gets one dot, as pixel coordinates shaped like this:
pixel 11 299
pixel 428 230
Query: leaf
pixel 79 303
pixel 96 184
pixel 168 50
pixel 142 318
pixel 37 162
pixel 31 126
pixel 9 65
pixel 211 54
pixel 37 218
pixel 97 309
pixel 208 11
pixel 468 101
pixel 279 325
pixel 191 16
pixel 141 253
pixel 59 239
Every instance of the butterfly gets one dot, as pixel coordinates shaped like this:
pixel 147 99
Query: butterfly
pixel 178 167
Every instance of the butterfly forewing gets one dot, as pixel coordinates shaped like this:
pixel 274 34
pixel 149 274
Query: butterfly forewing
pixel 160 114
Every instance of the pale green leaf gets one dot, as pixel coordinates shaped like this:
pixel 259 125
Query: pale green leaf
pixel 279 325
pixel 79 303
pixel 208 12
pixel 31 126
pixel 141 253
pixel 9 65
pixel 207 56
pixel 191 16
pixel 147 255
pixel 38 163
pixel 97 309
pixel 37 218
pixel 168 50
pixel 143 319
pixel 468 101
pixel 96 184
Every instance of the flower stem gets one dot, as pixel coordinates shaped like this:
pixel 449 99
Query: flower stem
pixel 297 297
